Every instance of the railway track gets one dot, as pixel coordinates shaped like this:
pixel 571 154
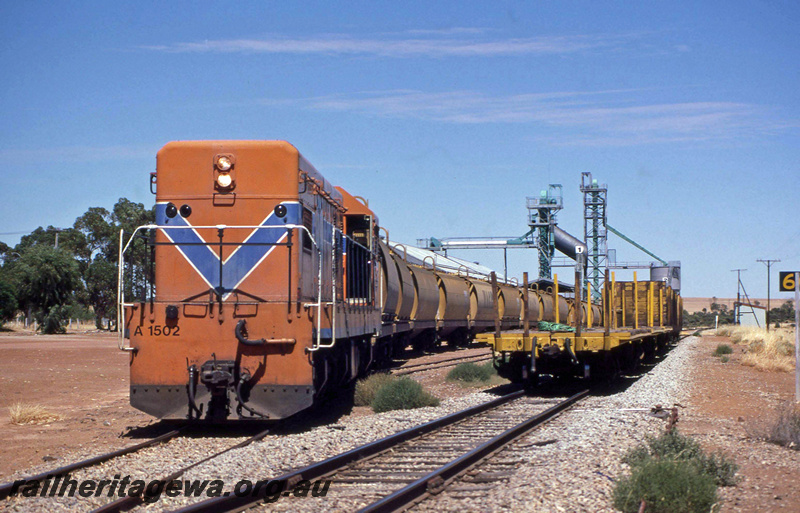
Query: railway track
pixel 439 364
pixel 128 502
pixel 7 488
pixel 132 501
pixel 404 468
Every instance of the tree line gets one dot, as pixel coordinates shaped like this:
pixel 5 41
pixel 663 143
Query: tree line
pixel 706 317
pixel 53 275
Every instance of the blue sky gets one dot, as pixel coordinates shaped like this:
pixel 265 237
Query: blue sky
pixel 445 115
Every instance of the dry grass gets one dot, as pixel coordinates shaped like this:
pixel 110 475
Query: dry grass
pixel 766 351
pixel 724 331
pixel 24 413
pixel 782 429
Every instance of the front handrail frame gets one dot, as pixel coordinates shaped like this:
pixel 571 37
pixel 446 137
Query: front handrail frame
pixel 121 271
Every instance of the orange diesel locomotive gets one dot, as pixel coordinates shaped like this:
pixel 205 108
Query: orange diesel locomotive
pixel 247 237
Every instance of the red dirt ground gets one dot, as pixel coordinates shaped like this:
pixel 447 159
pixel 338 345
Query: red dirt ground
pixel 730 401
pixel 82 377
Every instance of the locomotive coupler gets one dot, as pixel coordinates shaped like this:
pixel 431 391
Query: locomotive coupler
pixel 218 376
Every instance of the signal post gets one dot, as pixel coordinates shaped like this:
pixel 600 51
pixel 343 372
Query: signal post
pixel 790 281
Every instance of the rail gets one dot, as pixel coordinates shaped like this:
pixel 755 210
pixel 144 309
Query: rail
pixel 436 479
pixel 326 467
pixel 131 501
pixel 441 364
pixel 7 488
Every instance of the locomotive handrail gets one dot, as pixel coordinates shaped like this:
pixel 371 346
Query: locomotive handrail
pixel 319 304
pixel 121 296
pixel 319 345
pixel 433 262
pixel 121 269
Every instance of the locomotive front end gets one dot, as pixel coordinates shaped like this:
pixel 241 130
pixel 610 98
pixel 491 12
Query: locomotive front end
pixel 232 286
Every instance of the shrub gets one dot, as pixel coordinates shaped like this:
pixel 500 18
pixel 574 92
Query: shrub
pixel 719 467
pixel 723 349
pixel 366 388
pixel 670 445
pixel 471 372
pixel 671 473
pixel 675 446
pixel 784 429
pixel 666 486
pixel 724 359
pixel 24 413
pixel 54 320
pixel 402 394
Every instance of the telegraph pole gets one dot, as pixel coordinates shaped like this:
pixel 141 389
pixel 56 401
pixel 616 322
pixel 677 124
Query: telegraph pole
pixel 57 230
pixel 737 308
pixel 768 263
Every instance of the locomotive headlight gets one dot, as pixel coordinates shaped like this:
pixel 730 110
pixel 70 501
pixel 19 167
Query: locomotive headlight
pixel 224 180
pixel 223 167
pixel 224 163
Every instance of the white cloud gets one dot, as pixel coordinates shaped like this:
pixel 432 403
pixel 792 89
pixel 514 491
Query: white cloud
pixel 595 118
pixel 80 153
pixel 429 43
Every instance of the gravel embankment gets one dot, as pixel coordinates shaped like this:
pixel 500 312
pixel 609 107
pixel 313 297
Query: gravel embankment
pixel 572 474
pixel 576 472
pixel 271 457
pixel 276 455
